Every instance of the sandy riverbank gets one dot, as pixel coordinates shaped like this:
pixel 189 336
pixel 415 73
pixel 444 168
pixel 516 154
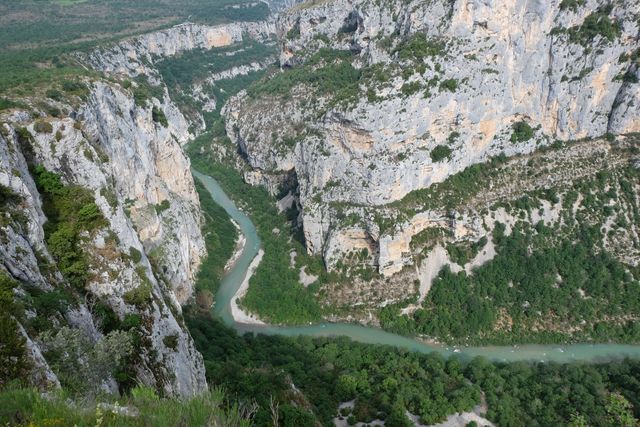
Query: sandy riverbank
pixel 239 315
pixel 237 251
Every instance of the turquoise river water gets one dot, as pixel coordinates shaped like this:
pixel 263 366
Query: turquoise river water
pixel 234 277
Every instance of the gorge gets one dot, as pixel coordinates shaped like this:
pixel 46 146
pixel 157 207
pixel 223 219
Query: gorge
pixel 452 185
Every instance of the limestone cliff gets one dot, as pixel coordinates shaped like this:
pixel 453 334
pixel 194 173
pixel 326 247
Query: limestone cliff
pixel 424 90
pixel 134 166
pixel 121 138
pixel 136 56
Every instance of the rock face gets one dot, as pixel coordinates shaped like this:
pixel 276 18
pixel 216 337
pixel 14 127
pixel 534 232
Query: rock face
pixel 126 149
pixel 465 77
pixel 136 56
pixel 133 165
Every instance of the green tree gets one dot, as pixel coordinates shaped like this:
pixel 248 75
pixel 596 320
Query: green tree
pixel 620 411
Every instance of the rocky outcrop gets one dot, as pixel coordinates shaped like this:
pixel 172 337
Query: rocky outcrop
pixel 142 184
pixel 459 75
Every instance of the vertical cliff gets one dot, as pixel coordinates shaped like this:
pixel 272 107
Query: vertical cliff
pixel 379 100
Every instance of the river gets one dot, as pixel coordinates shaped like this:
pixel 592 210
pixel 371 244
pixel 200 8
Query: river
pixel 234 277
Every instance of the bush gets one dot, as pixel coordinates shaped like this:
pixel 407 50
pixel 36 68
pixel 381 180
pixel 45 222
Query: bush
pixel 110 196
pixel 70 209
pixel 596 24
pixel 327 72
pixel 140 295
pixel 131 321
pixel 571 4
pixel 522 132
pixel 144 91
pixel 453 136
pixel 171 342
pixel 418 47
pixel 8 197
pixel 14 363
pixel 55 94
pixel 5 104
pixel 162 206
pixel 409 89
pixel 82 364
pixel 158 116
pixel 294 32
pixel 90 216
pixel 136 255
pixel 440 152
pixel 43 127
pixel 450 84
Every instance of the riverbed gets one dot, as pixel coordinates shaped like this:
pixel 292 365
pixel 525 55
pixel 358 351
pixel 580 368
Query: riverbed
pixel 233 279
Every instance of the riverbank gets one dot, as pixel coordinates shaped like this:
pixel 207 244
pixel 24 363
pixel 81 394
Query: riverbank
pixel 238 248
pixel 235 284
pixel 238 314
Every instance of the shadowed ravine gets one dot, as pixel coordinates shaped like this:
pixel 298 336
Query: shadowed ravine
pixel 234 277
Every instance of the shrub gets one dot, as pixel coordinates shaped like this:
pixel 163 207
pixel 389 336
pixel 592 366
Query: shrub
pixel 450 84
pixel 171 341
pixel 42 126
pixel 14 364
pixel 453 136
pixel 5 104
pixel 135 255
pixel 7 197
pixel 522 132
pixel 90 216
pixel 571 4
pixel 158 116
pixel 596 24
pixel 55 94
pixel 162 206
pixel 140 295
pixel 75 87
pixel 144 91
pixel 328 72
pixel 294 32
pixel 81 364
pixel 130 321
pixel 440 152
pixel 409 89
pixel 70 209
pixel 110 196
pixel 418 47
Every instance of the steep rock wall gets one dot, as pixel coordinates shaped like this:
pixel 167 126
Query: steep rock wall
pixel 498 63
pixel 132 165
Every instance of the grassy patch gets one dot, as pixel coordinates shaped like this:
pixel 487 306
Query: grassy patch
pixel 29 407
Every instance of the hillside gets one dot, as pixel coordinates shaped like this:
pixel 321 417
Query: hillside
pixel 432 123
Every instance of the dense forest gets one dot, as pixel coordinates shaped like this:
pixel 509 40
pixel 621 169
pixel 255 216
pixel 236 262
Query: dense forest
pixel 310 377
